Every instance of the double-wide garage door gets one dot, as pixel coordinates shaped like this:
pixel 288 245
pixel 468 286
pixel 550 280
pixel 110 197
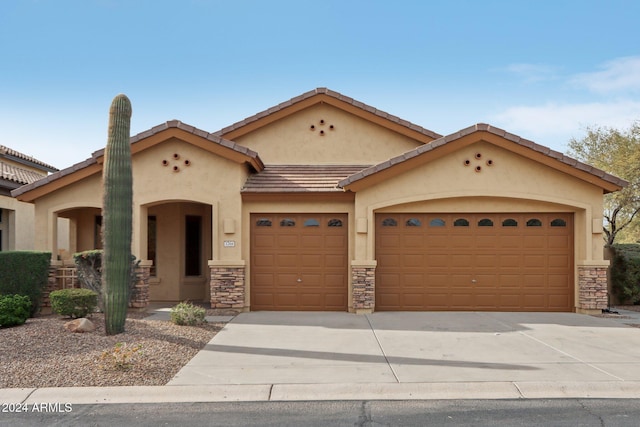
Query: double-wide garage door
pixel 510 262
pixel 299 262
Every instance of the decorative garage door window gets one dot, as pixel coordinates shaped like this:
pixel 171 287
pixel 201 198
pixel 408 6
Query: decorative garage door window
pixel 485 222
pixel 437 222
pixel 475 261
pixel 389 222
pixel 263 222
pixel 413 222
pixel 302 264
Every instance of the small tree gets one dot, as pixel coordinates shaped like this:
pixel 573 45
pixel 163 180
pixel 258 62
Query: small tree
pixel 117 214
pixel 618 153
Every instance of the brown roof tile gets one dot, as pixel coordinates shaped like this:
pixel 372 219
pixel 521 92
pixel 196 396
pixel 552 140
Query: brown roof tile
pixel 146 134
pixel 333 94
pixel 16 155
pixel 299 178
pixel 18 175
pixel 497 131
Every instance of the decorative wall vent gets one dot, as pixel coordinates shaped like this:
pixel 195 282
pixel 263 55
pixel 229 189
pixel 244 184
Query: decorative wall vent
pixel 175 162
pixel 322 127
pixel 477 158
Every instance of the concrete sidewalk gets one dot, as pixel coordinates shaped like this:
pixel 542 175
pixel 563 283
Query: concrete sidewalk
pixel 269 356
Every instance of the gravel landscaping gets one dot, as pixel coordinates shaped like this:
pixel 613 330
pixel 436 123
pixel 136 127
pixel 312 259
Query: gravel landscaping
pixel 42 353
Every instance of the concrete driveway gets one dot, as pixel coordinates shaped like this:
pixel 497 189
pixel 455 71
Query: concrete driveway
pixel 431 347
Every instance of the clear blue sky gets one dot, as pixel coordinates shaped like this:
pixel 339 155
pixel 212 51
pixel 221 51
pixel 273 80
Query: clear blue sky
pixel 541 69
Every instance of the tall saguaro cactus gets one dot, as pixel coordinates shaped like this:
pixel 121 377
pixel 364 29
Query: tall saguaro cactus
pixel 117 216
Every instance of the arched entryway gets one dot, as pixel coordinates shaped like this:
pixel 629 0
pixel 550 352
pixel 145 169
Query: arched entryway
pixel 179 245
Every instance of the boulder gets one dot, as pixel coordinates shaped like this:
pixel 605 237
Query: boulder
pixel 80 325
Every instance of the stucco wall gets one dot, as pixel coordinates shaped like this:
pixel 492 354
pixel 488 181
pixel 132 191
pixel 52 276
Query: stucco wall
pixel 352 141
pixel 17 224
pixel 209 186
pixel 512 184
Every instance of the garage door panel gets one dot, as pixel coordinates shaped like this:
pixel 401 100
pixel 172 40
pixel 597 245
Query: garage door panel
pixel 287 241
pixel 505 266
pixel 302 266
pixel 413 260
pixel 559 242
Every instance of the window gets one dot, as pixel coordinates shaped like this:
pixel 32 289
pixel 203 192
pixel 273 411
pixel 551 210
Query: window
pixel 485 222
pixel 558 222
pixel 193 245
pixel 509 222
pixel 152 243
pixel 413 222
pixel 460 222
pixel 287 222
pixel 389 222
pixel 311 223
pixel 534 222
pixel 263 222
pixel 335 222
pixel 97 232
pixel 437 222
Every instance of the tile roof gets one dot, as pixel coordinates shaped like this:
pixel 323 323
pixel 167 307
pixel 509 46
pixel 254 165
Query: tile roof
pixel 496 131
pixel 10 153
pixel 299 178
pixel 153 131
pixel 335 95
pixel 18 175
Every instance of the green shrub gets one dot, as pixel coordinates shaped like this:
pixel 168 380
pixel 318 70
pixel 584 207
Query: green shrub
pixel 89 268
pixel 74 302
pixel 25 273
pixel 186 313
pixel 625 273
pixel 14 310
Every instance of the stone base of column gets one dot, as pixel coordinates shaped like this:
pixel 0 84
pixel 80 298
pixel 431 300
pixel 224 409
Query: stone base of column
pixel 592 288
pixel 227 284
pixel 363 281
pixel 140 292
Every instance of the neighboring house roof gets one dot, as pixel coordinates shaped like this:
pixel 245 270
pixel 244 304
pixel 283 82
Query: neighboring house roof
pixel 17 175
pixel 139 142
pixel 528 148
pixel 324 95
pixel 299 178
pixel 15 156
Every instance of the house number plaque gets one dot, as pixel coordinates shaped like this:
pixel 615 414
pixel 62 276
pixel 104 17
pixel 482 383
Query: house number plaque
pixel 229 243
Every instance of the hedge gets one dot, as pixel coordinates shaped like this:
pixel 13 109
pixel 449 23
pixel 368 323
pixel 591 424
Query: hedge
pixel 73 302
pixel 25 273
pixel 625 272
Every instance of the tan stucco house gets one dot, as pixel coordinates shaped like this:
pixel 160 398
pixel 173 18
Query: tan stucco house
pixel 16 217
pixel 325 203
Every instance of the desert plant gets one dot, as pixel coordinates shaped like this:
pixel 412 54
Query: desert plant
pixel 73 302
pixel 117 215
pixel 625 272
pixel 89 268
pixel 121 357
pixel 25 273
pixel 186 313
pixel 14 310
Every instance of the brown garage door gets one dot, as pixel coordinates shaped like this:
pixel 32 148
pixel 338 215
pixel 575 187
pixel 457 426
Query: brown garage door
pixel 509 262
pixel 299 262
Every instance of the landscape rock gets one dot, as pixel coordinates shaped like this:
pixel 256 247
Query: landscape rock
pixel 80 325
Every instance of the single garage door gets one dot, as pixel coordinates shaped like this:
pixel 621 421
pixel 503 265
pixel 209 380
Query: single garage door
pixel 299 262
pixel 492 262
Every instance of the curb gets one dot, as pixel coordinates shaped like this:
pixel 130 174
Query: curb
pixel 322 392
